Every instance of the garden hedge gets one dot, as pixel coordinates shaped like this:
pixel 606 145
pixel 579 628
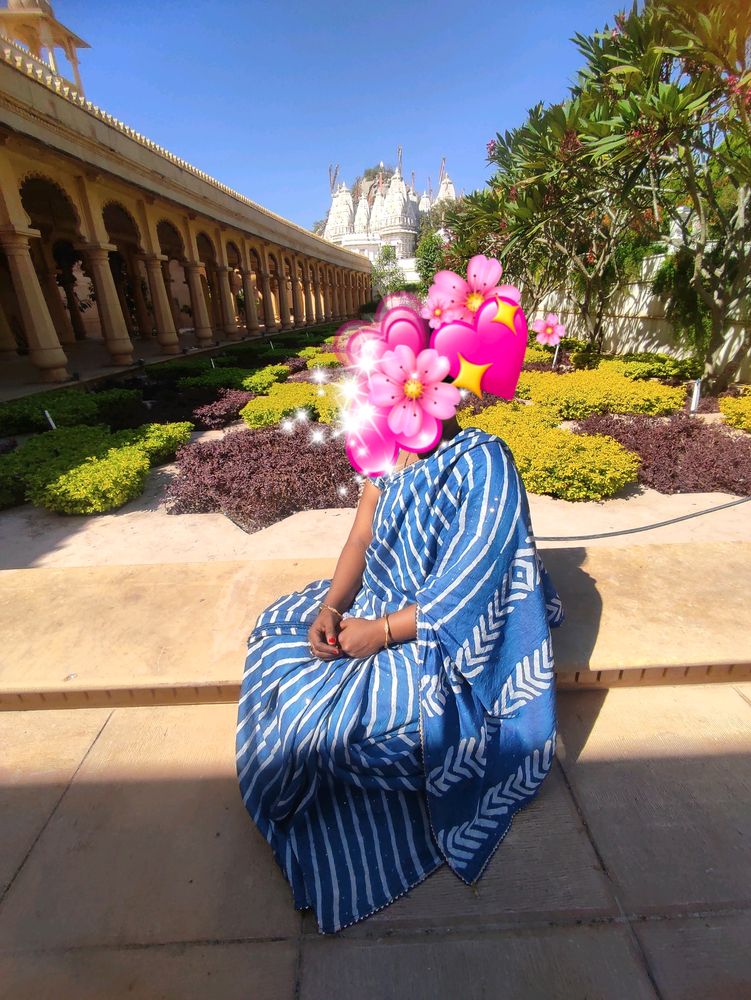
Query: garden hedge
pixel 324 359
pixel 573 395
pixel 67 407
pixel 262 380
pixel 286 398
pixel 86 469
pixel 553 461
pixel 737 411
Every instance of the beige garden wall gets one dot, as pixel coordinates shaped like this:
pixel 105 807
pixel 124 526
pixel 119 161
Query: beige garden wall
pixel 636 321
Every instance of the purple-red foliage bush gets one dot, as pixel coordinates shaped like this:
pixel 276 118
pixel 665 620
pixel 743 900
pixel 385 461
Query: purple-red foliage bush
pixel 223 410
pixel 258 477
pixel 680 454
pixel 296 364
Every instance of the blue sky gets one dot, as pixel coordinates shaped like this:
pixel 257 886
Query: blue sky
pixel 264 96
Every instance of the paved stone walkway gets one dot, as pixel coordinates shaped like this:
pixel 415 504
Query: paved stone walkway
pixel 130 869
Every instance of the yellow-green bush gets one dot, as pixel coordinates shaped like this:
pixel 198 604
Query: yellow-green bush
pixel 159 442
pixel 283 400
pixel 554 461
pixel 310 352
pixel 737 412
pixel 261 381
pixel 79 470
pixel 96 485
pixel 537 354
pixel 324 359
pixel 577 394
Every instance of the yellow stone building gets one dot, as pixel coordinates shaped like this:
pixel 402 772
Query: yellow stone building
pixel 113 250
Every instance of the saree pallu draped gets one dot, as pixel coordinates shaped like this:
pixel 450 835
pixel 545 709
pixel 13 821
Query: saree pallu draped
pixel 367 774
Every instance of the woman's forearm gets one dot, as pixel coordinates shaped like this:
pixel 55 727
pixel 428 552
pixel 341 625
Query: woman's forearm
pixel 347 578
pixel 403 623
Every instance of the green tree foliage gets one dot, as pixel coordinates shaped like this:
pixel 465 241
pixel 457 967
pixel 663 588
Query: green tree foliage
pixel 650 149
pixel 387 276
pixel 429 254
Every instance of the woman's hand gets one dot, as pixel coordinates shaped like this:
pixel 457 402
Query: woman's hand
pixel 360 637
pixel 321 633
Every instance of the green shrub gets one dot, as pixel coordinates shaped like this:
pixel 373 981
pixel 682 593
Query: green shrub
pixel 262 380
pixel 577 394
pixel 553 461
pixel 658 366
pixel 537 354
pixel 310 352
pixel 119 407
pixel 45 469
pixel 285 399
pixel 585 357
pixel 215 378
pixel 96 484
pixel 67 408
pixel 737 411
pixel 159 442
pixel 324 360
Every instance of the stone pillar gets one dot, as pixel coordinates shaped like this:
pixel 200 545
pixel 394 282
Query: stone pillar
pixel 45 351
pixel 269 317
pixel 296 296
pixel 145 322
pixel 328 305
pixel 284 312
pixel 310 315
pixel 201 325
pixel 317 304
pixel 120 289
pixel 251 309
pixel 58 312
pixel 174 308
pixel 111 318
pixel 349 293
pixel 74 311
pixel 339 309
pixel 8 345
pixel 166 334
pixel 228 302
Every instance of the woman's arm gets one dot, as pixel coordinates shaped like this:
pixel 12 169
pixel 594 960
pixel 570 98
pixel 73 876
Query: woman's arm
pixel 347 578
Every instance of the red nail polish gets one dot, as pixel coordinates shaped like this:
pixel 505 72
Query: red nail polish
pixel 332 641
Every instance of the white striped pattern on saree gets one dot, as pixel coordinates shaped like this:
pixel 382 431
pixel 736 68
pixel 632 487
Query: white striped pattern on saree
pixel 365 775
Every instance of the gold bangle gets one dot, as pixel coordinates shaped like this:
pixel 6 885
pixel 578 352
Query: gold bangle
pixel 329 608
pixel 387 627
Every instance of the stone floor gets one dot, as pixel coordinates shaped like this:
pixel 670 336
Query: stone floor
pixel 130 868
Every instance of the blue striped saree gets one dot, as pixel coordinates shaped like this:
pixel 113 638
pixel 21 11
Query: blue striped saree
pixel 365 775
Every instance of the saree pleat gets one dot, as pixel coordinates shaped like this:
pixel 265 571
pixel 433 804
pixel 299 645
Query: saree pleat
pixel 367 774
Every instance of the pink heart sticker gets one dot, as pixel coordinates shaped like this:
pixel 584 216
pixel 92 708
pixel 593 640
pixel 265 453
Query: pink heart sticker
pixel 497 337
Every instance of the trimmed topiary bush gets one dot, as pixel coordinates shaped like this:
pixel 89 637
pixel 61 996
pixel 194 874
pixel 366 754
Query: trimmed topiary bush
pixel 261 381
pixel 67 407
pixel 324 360
pixel 574 395
pixel 45 468
pixel 120 408
pixel 216 378
pixel 96 484
pixel 555 462
pixel 159 442
pixel 259 477
pixel 737 412
pixel 285 399
pixel 681 454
